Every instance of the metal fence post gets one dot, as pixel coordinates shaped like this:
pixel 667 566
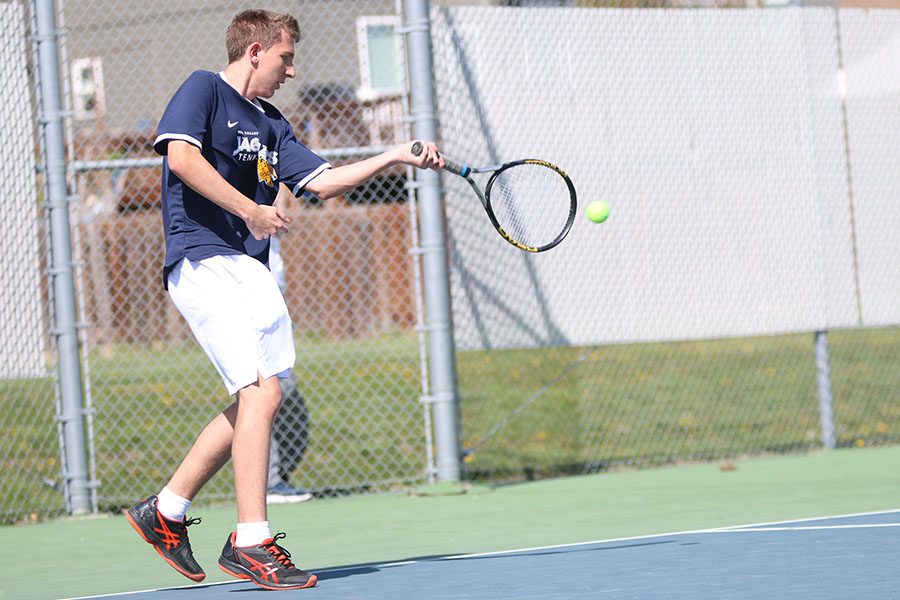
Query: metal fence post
pixel 826 400
pixel 61 267
pixel 439 323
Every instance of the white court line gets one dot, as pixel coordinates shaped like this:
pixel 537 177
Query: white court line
pixel 808 519
pixel 730 529
pixel 660 535
pixel 810 528
pixel 165 589
pixel 397 564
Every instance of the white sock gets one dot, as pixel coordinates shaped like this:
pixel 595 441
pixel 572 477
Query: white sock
pixel 252 534
pixel 171 505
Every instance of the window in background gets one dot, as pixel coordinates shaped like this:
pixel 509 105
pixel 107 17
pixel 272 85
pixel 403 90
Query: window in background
pixel 87 89
pixel 379 57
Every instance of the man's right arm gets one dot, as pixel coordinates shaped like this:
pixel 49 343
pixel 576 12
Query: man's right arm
pixel 194 170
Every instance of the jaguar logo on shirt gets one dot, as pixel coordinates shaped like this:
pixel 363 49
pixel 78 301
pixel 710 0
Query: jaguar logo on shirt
pixel 265 171
pixel 248 148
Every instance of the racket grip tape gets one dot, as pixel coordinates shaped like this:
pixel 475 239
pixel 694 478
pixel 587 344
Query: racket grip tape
pixel 449 164
pixel 456 167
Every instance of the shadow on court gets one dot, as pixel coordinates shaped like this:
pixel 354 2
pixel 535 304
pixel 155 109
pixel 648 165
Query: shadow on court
pixel 369 568
pixel 564 550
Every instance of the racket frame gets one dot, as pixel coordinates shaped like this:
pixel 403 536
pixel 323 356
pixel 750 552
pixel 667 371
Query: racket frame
pixel 465 171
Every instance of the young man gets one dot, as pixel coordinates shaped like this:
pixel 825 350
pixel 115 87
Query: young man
pixel 226 151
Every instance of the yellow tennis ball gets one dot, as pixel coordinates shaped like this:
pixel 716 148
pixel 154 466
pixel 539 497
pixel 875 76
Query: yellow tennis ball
pixel 597 211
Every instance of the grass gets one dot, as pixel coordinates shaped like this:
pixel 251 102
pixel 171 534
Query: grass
pixel 362 397
pixel 526 413
pixel 649 404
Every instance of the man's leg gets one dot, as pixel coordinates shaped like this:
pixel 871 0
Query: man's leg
pixel 256 408
pixel 243 429
pixel 160 520
pixel 252 552
pixel 274 477
pixel 208 454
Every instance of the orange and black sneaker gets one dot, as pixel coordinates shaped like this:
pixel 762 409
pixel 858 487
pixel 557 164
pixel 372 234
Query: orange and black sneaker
pixel 268 565
pixel 168 537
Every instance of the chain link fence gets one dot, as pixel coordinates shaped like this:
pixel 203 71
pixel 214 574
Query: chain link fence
pixel 866 379
pixel 30 481
pixel 683 329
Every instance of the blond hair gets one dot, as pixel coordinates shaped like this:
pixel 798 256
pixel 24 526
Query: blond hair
pixel 257 25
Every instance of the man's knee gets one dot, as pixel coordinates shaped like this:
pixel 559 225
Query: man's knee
pixel 271 391
pixel 266 394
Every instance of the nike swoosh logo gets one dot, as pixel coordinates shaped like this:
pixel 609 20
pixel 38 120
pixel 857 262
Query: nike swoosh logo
pixel 230 124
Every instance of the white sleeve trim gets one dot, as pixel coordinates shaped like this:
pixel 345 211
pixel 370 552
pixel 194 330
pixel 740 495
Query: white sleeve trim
pixel 321 168
pixel 178 136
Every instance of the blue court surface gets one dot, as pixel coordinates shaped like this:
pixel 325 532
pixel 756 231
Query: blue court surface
pixel 849 556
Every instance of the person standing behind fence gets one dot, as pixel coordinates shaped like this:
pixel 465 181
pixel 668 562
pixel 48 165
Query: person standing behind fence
pixel 290 431
pixel 226 151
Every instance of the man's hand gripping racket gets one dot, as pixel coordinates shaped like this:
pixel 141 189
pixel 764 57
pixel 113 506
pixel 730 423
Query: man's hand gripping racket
pixel 530 202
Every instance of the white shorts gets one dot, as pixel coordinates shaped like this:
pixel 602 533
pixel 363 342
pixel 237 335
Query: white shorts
pixel 238 315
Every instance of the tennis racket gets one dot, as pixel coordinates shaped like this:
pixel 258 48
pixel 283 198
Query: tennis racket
pixel 531 203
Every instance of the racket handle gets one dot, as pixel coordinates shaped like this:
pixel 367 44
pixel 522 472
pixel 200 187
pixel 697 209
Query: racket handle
pixel 449 164
pixel 456 167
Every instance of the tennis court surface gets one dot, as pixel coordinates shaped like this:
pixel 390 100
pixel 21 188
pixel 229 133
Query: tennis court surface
pixel 819 526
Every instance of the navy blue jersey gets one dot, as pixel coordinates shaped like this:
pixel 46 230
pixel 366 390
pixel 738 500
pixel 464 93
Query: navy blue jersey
pixel 249 143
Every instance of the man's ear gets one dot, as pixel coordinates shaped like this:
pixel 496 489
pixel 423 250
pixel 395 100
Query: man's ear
pixel 253 51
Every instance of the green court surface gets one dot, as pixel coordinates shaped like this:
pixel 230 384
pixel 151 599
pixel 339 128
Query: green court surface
pixel 101 555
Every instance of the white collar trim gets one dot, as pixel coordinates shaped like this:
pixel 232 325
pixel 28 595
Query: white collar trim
pixel 254 102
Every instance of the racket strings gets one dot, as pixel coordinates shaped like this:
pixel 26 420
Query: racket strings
pixel 531 202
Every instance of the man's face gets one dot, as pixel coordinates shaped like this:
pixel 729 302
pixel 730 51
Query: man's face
pixel 276 64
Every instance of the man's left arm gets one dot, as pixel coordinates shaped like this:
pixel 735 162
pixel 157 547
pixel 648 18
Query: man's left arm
pixel 335 181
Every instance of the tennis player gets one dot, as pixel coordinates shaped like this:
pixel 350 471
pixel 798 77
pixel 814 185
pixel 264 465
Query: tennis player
pixel 226 150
